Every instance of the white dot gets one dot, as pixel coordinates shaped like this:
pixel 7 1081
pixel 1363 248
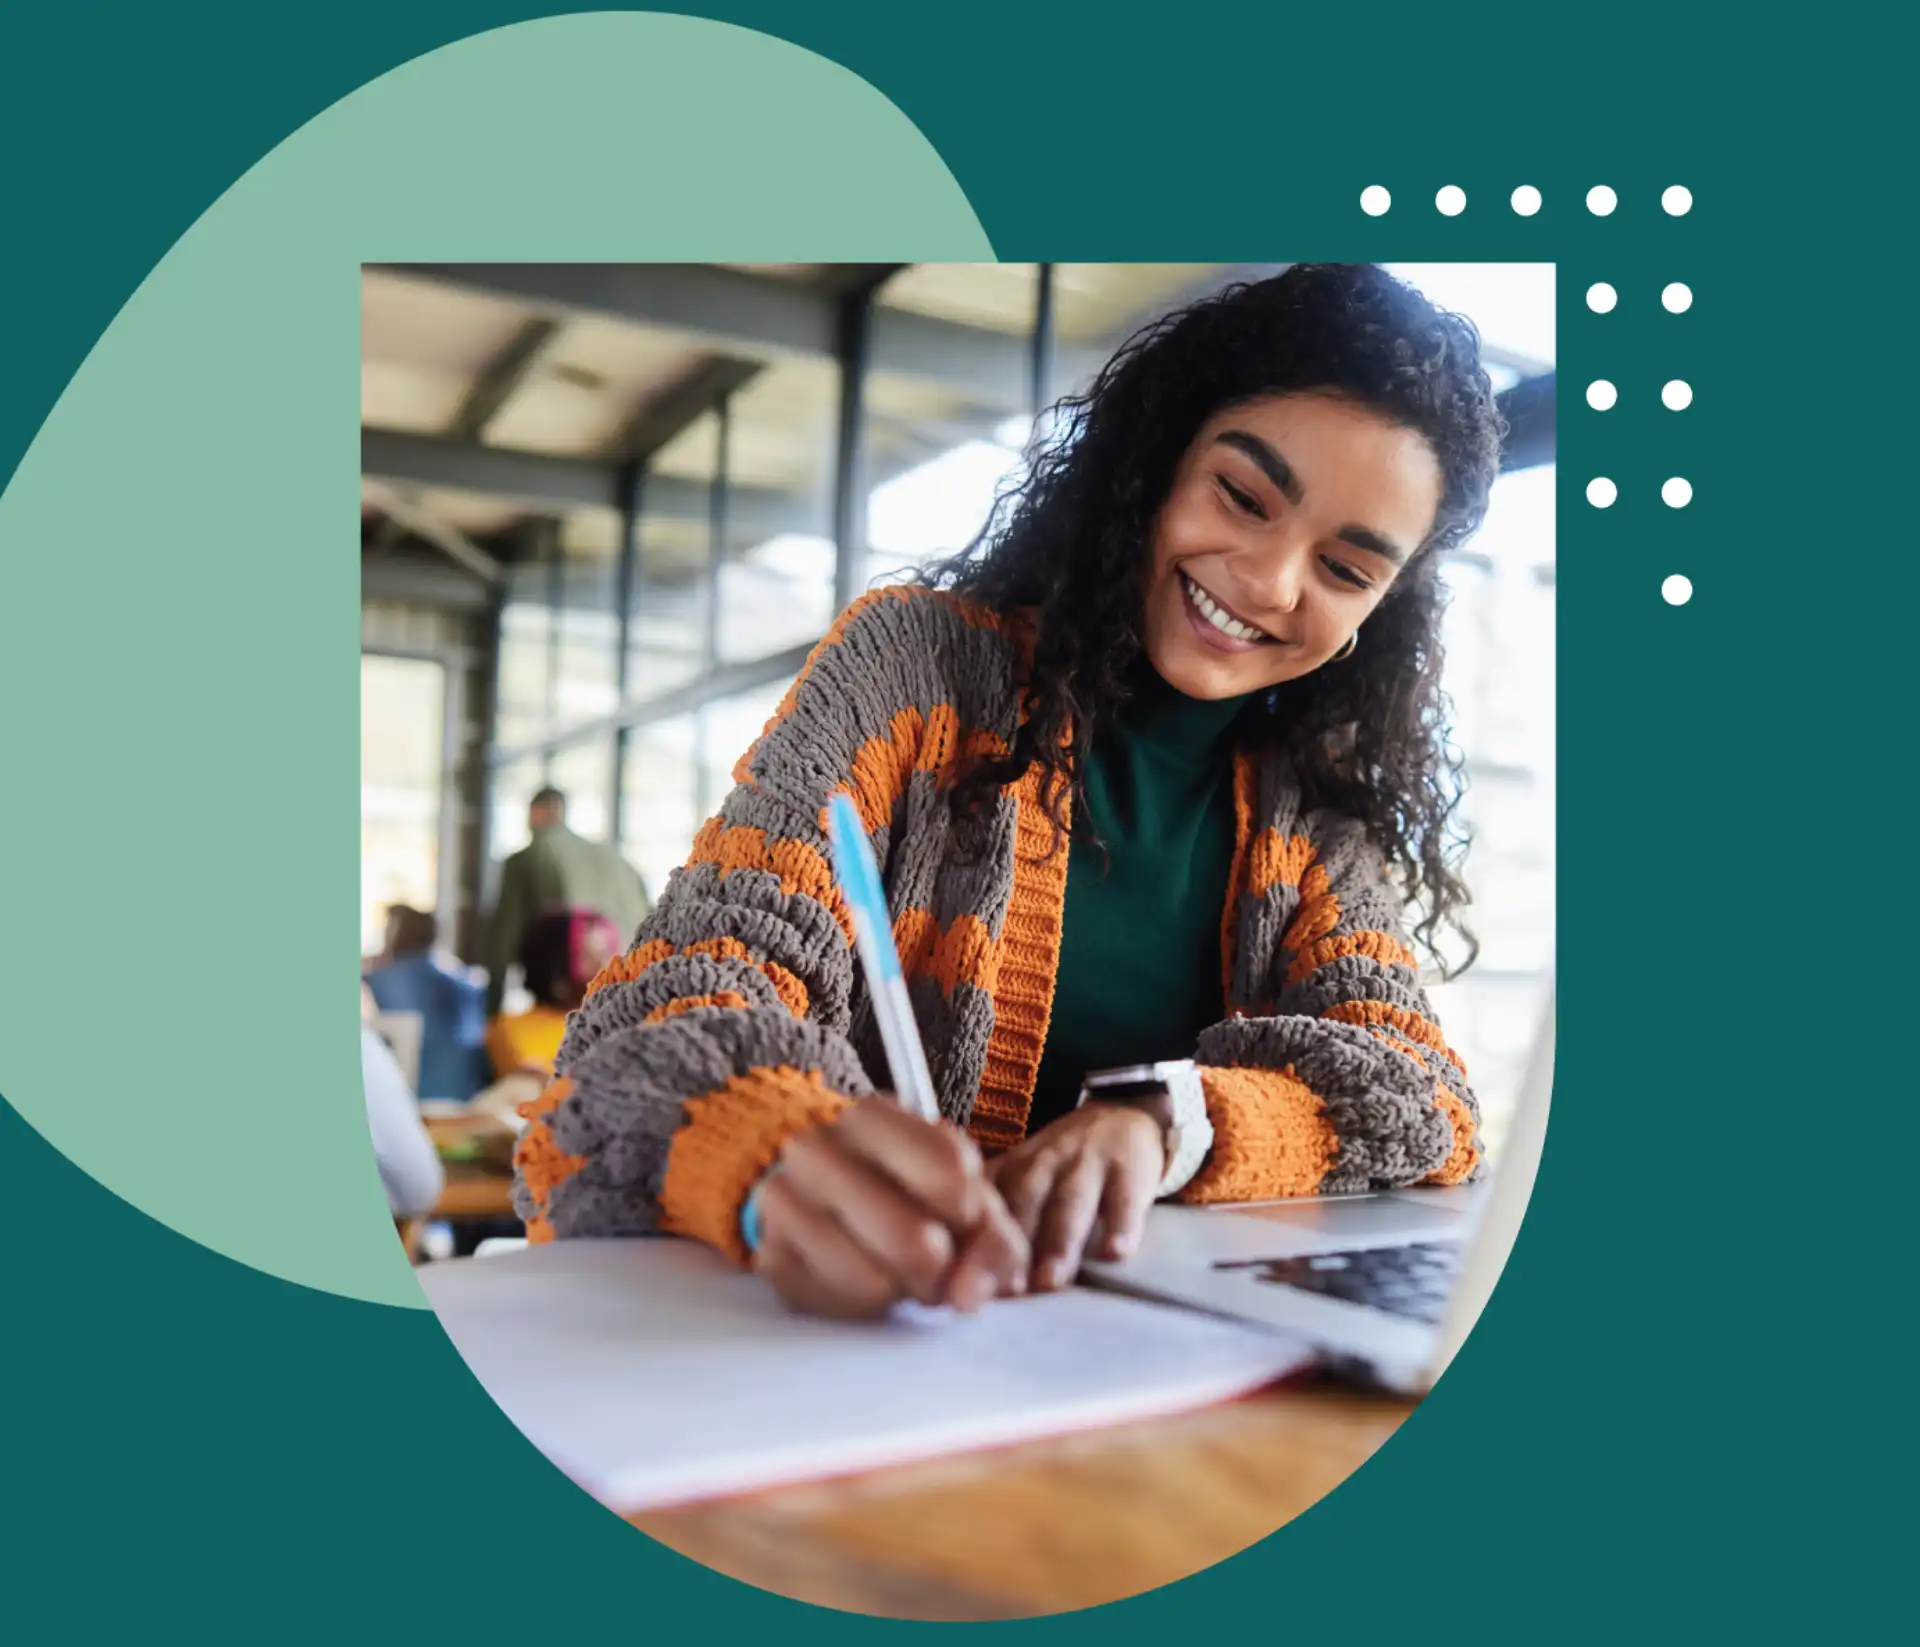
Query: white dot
pixel 1677 298
pixel 1677 396
pixel 1601 200
pixel 1374 201
pixel 1601 395
pixel 1526 200
pixel 1676 201
pixel 1677 493
pixel 1601 492
pixel 1451 201
pixel 1601 298
pixel 1676 590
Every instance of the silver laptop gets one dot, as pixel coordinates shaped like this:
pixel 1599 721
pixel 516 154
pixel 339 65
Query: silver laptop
pixel 1385 1287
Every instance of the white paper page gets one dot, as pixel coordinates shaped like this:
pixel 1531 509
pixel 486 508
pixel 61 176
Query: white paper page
pixel 652 1371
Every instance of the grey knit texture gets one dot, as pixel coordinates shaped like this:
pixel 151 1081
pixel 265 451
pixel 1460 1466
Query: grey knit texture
pixel 632 1079
pixel 1380 1103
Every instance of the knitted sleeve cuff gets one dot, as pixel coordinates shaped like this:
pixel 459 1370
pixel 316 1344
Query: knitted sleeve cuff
pixel 1271 1137
pixel 1464 1161
pixel 730 1137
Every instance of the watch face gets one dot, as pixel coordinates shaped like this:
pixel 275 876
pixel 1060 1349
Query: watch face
pixel 1132 1081
pixel 1121 1092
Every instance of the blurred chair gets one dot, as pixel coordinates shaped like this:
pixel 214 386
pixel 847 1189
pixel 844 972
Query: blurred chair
pixel 403 1032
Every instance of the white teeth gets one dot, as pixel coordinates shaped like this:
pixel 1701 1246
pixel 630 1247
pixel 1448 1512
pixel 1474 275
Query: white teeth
pixel 1211 611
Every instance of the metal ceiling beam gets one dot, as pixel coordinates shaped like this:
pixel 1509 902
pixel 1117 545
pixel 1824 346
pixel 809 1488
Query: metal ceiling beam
pixel 658 419
pixel 727 681
pixel 545 484
pixel 415 582
pixel 455 545
pixel 529 351
pixel 761 318
pixel 531 479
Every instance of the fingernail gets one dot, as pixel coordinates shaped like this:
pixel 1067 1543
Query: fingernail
pixel 1053 1273
pixel 1018 1283
pixel 970 1289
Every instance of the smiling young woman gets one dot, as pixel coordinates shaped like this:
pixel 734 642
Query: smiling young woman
pixel 1151 768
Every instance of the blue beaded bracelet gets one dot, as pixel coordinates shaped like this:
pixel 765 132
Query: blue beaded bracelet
pixel 750 1211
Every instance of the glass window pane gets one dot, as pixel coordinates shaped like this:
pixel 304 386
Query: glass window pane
pixel 586 620
pixel 1500 674
pixel 669 629
pixel 583 772
pixel 776 583
pixel 658 815
pixel 1510 304
pixel 402 711
pixel 1098 306
pixel 732 726
pixel 525 630
pixel 936 452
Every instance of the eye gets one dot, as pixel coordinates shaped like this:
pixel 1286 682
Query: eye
pixel 1244 501
pixel 1345 573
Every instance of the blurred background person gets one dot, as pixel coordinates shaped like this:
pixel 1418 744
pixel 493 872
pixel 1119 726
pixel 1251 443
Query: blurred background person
pixel 560 954
pixel 449 1001
pixel 558 871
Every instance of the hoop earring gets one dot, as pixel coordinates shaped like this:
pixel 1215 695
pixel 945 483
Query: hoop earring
pixel 1347 651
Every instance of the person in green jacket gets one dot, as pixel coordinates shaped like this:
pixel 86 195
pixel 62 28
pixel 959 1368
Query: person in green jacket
pixel 558 870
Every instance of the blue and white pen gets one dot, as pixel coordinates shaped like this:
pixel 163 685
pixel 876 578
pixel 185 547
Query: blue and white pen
pixel 859 879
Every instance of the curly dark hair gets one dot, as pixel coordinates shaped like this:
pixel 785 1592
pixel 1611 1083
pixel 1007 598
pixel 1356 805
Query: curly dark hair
pixel 1071 539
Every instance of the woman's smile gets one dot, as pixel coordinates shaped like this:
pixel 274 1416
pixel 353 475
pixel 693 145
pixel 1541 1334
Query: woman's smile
pixel 1219 627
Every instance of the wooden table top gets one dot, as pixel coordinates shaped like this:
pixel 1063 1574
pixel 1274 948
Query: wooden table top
pixel 1046 1526
pixel 474 1191
pixel 480 1187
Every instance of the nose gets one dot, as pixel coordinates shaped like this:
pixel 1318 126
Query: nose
pixel 1277 577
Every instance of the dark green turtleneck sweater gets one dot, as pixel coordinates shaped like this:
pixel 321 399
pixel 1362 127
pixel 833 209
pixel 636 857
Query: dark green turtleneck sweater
pixel 1139 974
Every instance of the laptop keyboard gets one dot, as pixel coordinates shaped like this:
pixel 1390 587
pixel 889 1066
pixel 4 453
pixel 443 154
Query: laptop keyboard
pixel 1413 1280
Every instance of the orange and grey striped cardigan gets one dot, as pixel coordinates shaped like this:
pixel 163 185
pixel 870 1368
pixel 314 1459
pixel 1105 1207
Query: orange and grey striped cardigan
pixel 740 1014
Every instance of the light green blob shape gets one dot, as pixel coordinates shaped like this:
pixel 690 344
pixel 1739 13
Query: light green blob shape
pixel 179 593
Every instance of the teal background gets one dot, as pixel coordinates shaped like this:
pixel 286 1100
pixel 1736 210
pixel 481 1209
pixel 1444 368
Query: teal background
pixel 1629 1443
pixel 215 395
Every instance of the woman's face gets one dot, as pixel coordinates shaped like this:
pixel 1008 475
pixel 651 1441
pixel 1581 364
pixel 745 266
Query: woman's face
pixel 1290 516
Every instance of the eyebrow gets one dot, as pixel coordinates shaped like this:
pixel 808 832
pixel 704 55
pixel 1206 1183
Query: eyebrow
pixel 1276 468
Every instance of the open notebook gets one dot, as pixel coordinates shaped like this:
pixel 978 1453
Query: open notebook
pixel 652 1372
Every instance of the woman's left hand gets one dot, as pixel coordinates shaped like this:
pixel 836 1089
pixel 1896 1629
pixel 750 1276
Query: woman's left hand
pixel 1099 1165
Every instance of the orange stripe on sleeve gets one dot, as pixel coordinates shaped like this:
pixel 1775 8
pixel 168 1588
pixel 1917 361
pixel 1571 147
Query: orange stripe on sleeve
pixel 1239 876
pixel 1022 970
pixel 976 617
pixel 626 968
pixel 730 1137
pixel 1271 1137
pixel 540 1162
pixel 964 952
pixel 1319 910
pixel 623 969
pixel 693 1003
pixel 1410 1024
pixel 799 867
pixel 1279 860
pixel 1375 946
pixel 1466 1155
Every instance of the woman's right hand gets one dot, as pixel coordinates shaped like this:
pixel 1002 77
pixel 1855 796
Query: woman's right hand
pixel 880 1205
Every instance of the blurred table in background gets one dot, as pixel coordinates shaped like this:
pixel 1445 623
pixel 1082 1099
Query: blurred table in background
pixel 1047 1526
pixel 476 1150
pixel 474 1191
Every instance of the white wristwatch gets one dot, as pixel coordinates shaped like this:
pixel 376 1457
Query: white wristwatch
pixel 1173 1091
